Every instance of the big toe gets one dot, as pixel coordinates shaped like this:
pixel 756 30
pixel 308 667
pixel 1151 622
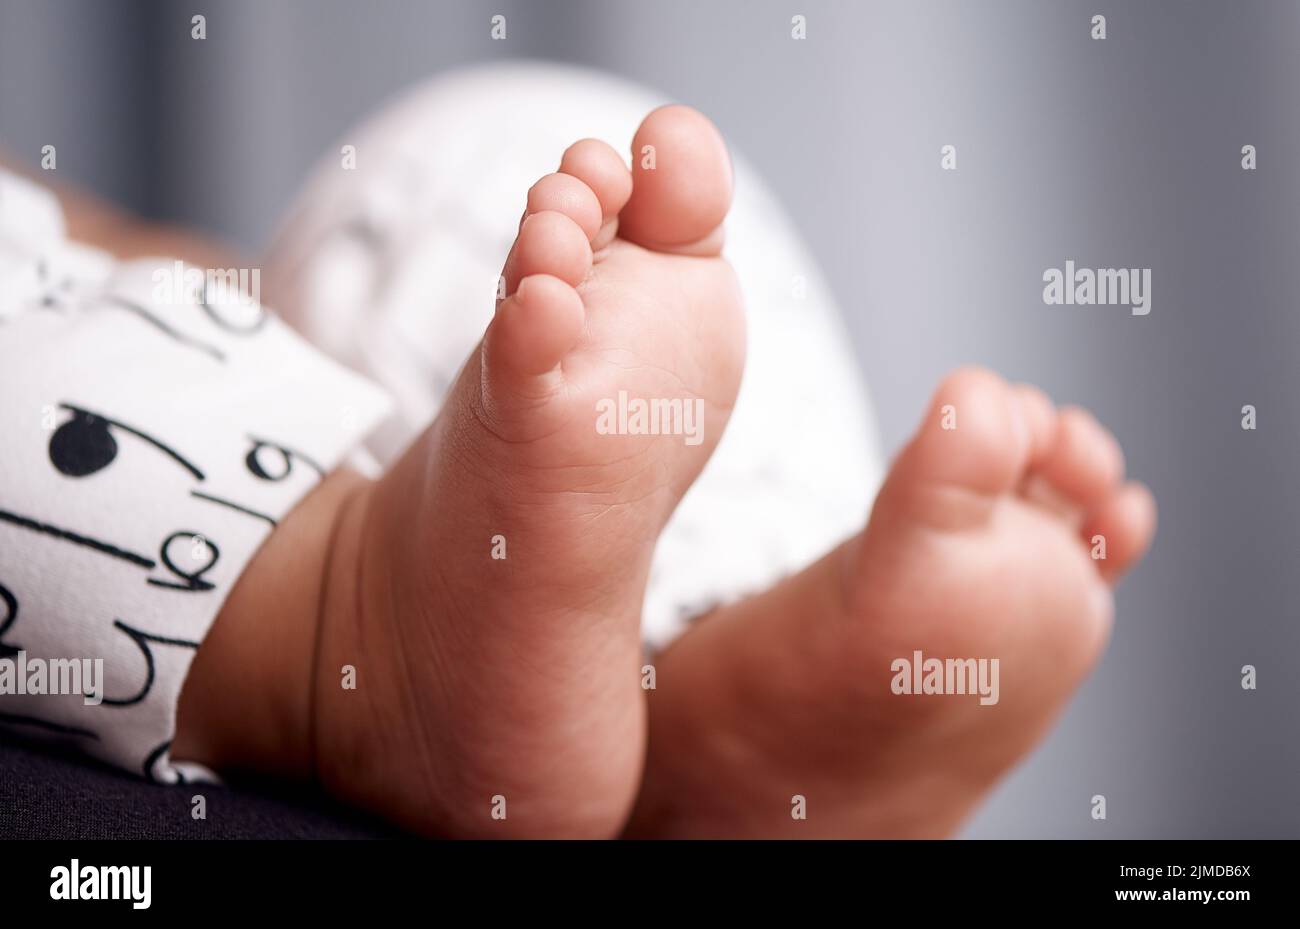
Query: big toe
pixel 975 435
pixel 681 183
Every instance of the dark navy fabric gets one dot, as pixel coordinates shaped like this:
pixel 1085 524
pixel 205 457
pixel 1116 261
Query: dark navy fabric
pixel 49 796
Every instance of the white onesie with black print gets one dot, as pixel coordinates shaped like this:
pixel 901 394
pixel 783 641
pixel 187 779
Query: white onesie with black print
pixel 154 426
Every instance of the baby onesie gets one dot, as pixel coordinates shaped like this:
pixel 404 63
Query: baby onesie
pixel 156 425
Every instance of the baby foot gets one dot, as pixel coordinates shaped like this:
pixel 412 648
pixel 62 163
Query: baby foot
pixel 488 589
pixel 456 646
pixel 985 542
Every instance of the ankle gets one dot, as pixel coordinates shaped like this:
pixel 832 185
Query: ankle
pixel 247 701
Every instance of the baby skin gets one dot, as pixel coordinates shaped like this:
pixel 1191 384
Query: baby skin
pixel 502 696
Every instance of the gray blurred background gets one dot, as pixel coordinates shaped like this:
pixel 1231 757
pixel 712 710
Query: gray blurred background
pixel 1116 153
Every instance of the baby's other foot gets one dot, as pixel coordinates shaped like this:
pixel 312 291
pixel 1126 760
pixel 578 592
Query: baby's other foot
pixel 997 537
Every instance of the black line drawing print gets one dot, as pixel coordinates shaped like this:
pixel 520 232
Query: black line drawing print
pixel 279 470
pixel 222 323
pixel 152 759
pixel 10 603
pixel 77 539
pixel 84 445
pixel 234 506
pixel 142 640
pixel 55 294
pixel 130 307
pixel 190 580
